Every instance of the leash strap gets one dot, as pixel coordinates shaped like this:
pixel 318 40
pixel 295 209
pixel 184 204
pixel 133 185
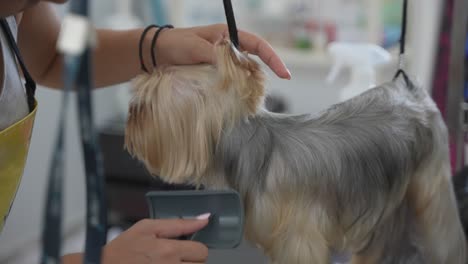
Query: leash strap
pixel 403 44
pixel 52 226
pixel 29 84
pixel 96 218
pixel 403 27
pixel 231 21
pixel 78 74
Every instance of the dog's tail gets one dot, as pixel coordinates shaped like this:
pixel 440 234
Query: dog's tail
pixel 460 184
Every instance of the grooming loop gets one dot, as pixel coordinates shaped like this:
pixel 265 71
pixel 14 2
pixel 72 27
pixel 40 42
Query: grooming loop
pixel 401 57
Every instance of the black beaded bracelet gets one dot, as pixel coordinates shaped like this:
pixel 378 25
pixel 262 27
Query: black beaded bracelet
pixel 142 38
pixel 153 42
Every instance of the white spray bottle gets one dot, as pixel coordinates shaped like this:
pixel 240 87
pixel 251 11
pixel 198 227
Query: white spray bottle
pixel 362 60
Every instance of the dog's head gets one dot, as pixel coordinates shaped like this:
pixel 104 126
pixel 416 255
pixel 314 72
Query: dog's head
pixel 178 113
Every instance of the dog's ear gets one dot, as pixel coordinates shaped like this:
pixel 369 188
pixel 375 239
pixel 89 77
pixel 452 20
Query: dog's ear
pixel 170 125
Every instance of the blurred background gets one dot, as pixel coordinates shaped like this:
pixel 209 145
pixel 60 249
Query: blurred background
pixel 299 30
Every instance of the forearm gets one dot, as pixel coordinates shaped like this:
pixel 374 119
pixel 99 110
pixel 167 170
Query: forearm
pixel 115 60
pixel 115 56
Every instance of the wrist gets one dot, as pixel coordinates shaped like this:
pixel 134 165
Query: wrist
pixel 153 53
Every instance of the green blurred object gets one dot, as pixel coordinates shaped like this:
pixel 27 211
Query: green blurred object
pixel 303 44
pixel 391 13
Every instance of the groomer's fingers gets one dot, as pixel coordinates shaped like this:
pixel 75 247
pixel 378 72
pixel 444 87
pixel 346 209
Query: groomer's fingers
pixel 252 44
pixel 187 250
pixel 260 47
pixel 178 227
pixel 171 228
pixel 194 252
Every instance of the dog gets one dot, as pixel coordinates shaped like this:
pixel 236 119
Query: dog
pixel 369 176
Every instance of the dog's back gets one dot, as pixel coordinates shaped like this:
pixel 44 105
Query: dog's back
pixel 370 175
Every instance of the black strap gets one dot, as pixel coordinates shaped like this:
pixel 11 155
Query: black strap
pixel 52 225
pixel 96 211
pixel 30 84
pixel 403 27
pixel 77 70
pixel 403 44
pixel 231 21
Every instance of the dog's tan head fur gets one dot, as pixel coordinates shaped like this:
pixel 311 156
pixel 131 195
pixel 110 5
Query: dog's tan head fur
pixel 178 113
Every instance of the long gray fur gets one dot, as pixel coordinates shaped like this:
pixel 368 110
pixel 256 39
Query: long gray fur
pixel 353 157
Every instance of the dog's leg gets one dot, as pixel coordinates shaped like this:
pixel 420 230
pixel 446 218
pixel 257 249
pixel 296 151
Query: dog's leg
pixel 393 241
pixel 287 233
pixel 431 232
pixel 300 248
pixel 437 217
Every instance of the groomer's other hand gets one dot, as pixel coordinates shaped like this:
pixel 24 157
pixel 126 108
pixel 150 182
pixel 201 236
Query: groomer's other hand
pixel 195 45
pixel 151 242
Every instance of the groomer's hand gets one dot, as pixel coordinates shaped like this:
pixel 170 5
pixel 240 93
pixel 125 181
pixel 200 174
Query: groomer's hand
pixel 195 45
pixel 151 242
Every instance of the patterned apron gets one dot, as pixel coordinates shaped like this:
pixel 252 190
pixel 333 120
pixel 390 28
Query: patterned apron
pixel 14 140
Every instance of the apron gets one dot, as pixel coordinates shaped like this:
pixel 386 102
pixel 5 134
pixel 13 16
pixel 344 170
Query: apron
pixel 15 139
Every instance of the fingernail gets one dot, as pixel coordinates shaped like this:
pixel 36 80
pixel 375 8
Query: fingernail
pixel 203 216
pixel 289 74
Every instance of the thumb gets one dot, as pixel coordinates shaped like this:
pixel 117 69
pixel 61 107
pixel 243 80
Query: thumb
pixel 172 228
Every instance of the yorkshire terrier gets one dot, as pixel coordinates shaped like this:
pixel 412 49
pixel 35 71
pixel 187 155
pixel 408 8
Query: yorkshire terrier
pixel 369 176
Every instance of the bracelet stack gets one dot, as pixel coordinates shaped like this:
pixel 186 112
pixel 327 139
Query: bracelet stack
pixel 153 44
